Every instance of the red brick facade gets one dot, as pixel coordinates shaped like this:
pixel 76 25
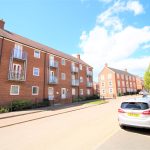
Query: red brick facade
pixel 18 70
pixel 114 82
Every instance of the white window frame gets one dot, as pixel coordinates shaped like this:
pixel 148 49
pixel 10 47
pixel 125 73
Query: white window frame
pixel 81 79
pixel 80 66
pixel 63 61
pixel 88 92
pixel 103 91
pixel 37 90
pixel 110 90
pixel 37 55
pixel 103 84
pixel 110 83
pixel 18 50
pixel 81 91
pixel 11 93
pixel 34 68
pixel 118 83
pixel 63 76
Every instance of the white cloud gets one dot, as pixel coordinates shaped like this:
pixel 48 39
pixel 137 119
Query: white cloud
pixel 135 6
pixel 110 18
pixel 99 47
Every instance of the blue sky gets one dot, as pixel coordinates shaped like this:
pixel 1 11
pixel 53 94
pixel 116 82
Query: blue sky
pixel 116 32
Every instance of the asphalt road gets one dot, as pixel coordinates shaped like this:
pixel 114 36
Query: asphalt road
pixel 92 128
pixel 128 139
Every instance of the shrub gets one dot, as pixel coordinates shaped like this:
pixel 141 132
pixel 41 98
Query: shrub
pixel 4 109
pixel 20 105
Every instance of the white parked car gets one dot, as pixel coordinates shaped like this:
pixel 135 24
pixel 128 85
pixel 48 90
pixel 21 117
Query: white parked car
pixel 135 113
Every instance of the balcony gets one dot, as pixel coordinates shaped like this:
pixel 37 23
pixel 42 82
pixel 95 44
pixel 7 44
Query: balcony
pixel 16 76
pixel 89 84
pixel 89 73
pixel 75 82
pixel 18 54
pixel 74 69
pixel 53 80
pixel 53 63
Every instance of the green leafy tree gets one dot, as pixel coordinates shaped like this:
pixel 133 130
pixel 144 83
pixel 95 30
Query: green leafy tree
pixel 147 79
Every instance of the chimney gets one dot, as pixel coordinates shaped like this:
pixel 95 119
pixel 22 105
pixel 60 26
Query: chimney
pixel 78 56
pixel 126 70
pixel 106 65
pixel 2 23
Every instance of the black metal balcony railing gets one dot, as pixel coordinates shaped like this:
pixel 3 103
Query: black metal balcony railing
pixel 16 76
pixel 75 82
pixel 74 69
pixel 89 84
pixel 53 80
pixel 53 64
pixel 19 55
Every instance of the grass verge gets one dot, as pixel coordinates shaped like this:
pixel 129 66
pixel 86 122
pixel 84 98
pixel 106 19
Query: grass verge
pixel 97 101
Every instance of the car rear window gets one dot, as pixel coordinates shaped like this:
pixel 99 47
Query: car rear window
pixel 134 105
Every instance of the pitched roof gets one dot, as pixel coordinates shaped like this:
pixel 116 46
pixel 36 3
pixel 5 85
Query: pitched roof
pixel 121 71
pixel 36 45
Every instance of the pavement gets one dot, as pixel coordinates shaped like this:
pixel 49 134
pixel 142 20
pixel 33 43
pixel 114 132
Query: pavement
pixel 17 117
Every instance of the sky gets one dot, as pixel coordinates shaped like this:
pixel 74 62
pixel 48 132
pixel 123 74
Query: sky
pixel 116 32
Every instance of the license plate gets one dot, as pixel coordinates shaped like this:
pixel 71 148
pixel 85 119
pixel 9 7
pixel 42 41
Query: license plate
pixel 133 115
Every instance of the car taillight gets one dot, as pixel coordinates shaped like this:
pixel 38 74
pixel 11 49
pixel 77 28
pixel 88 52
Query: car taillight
pixel 120 111
pixel 147 112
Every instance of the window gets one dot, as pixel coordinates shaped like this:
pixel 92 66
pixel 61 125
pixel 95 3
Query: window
pixel 80 67
pixel 109 76
pixel 35 90
pixel 14 90
pixel 102 83
pixel 88 91
pixel 118 82
pixel 103 91
pixel 110 90
pixel 130 84
pixel 126 77
pixel 18 51
pixel 81 79
pixel 81 91
pixel 36 53
pixel 73 91
pixel 63 62
pixel 36 71
pixel 110 83
pixel 63 76
pixel 102 77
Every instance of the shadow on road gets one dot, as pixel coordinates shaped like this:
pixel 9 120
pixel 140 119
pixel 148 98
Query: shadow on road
pixel 138 130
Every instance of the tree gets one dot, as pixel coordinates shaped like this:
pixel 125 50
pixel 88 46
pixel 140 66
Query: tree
pixel 147 79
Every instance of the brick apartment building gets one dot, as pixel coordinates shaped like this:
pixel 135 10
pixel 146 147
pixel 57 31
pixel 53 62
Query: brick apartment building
pixel 96 88
pixel 33 71
pixel 113 82
pixel 139 83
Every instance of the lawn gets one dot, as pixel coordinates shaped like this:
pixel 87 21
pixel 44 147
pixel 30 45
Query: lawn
pixel 97 101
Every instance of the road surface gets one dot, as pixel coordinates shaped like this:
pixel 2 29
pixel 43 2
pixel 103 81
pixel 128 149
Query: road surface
pixel 92 128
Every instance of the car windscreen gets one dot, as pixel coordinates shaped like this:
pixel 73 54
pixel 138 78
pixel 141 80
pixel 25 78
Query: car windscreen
pixel 134 105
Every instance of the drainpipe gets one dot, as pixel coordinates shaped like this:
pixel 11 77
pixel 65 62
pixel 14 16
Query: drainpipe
pixel 45 70
pixel 1 49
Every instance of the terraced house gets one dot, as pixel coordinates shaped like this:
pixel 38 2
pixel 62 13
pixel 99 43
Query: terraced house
pixel 33 71
pixel 114 82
